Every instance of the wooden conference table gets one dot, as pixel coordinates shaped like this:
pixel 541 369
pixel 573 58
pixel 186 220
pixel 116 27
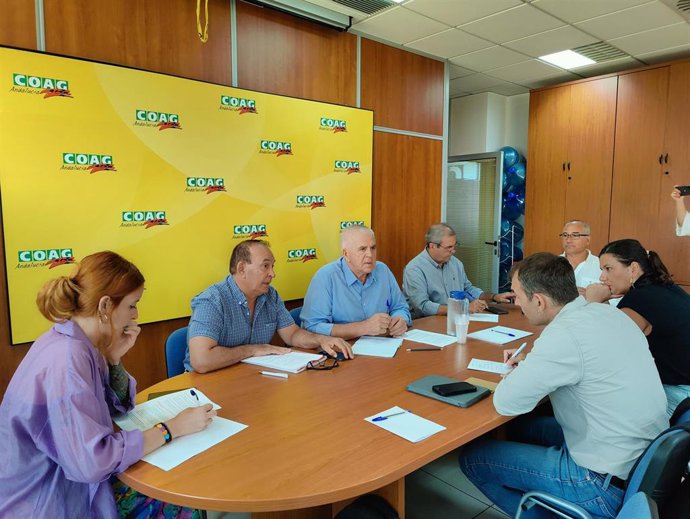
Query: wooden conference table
pixel 307 450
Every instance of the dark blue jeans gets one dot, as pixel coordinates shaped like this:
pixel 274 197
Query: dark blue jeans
pixel 537 460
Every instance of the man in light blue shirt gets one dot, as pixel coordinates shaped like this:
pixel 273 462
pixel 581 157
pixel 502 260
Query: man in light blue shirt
pixel 355 295
pixel 430 277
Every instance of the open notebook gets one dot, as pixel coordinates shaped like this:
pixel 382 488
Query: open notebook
pixel 292 362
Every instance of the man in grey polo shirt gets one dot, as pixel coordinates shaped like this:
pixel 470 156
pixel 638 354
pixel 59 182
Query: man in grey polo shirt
pixel 237 317
pixel 430 277
pixel 594 364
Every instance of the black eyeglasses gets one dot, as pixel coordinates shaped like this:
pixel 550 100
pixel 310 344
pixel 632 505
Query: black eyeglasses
pixel 573 235
pixel 323 364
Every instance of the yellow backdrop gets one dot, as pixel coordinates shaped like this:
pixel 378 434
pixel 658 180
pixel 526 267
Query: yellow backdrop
pixel 171 173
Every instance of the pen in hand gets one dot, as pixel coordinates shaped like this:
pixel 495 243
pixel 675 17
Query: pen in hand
pixel 516 352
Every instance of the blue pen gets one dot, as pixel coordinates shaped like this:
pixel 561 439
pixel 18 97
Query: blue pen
pixel 386 416
pixel 388 305
pixel 518 351
pixel 504 333
pixel 194 394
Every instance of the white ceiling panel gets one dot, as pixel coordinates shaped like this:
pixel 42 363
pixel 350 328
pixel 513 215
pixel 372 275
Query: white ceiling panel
pixel 399 26
pixel 486 59
pixel 507 89
pixel 608 67
pixel 682 51
pixel 512 24
pixel 449 43
pixel 654 40
pixel 548 42
pixel 474 82
pixel 529 70
pixel 630 21
pixel 456 71
pixel 457 12
pixel 573 11
pixel 551 81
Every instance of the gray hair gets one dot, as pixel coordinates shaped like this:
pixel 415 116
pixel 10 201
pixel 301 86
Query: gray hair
pixel 437 232
pixel 585 225
pixel 346 233
pixel 547 274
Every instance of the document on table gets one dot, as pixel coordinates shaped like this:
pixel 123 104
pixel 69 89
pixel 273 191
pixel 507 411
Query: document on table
pixel 406 425
pixel 293 362
pixel 484 318
pixel 377 346
pixel 499 334
pixel 489 366
pixel 435 339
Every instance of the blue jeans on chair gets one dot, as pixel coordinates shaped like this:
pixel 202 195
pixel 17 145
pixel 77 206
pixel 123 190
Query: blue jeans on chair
pixel 537 460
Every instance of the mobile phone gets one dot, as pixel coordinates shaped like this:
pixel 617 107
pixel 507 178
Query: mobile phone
pixel 454 388
pixel 495 309
pixel 684 190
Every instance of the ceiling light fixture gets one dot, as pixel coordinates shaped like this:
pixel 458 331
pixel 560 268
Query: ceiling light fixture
pixel 567 59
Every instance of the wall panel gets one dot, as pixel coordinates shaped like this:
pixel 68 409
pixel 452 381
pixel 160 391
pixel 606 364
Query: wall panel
pixel 17 23
pixel 405 90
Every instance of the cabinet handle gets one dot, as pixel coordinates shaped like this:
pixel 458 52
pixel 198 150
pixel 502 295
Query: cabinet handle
pixel 568 166
pixel 661 158
pixel 563 165
pixel 665 172
pixel 494 243
pixel 666 159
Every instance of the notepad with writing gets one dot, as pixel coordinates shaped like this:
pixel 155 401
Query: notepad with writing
pixel 292 362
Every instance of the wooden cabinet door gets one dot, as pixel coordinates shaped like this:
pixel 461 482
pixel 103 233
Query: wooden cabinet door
pixel 549 120
pixel 675 251
pixel 590 156
pixel 640 123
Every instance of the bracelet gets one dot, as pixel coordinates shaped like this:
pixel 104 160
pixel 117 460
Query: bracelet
pixel 165 431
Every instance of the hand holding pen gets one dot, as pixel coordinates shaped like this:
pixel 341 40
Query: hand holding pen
pixel 512 357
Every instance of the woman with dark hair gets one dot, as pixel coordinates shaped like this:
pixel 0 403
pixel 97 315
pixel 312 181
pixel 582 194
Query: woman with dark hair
pixel 657 305
pixel 59 449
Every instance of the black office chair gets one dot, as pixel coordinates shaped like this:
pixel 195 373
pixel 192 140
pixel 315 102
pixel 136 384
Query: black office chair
pixel 295 313
pixel 639 506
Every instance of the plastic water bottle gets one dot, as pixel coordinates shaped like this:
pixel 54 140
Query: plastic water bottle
pixel 458 307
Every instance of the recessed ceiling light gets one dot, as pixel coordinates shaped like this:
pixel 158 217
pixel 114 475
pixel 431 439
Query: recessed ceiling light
pixel 567 59
pixel 398 1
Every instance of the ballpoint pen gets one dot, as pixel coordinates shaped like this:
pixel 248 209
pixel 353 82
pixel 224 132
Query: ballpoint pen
pixel 273 374
pixel 518 351
pixel 504 333
pixel 424 349
pixel 386 416
pixel 193 393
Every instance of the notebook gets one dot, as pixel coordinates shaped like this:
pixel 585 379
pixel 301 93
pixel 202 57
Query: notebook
pixel 423 387
pixel 292 362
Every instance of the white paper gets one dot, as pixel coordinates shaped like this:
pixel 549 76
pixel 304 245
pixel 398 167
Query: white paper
pixel 146 415
pixel 377 346
pixel 293 362
pixel 499 334
pixel 435 339
pixel 182 448
pixel 407 425
pixel 489 366
pixel 484 318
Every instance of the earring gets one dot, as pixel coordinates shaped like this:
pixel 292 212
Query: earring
pixel 102 317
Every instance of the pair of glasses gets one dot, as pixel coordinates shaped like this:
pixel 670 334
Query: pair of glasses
pixel 573 235
pixel 450 248
pixel 323 364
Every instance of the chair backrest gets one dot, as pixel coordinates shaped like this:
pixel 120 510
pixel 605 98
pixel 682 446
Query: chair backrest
pixel 175 351
pixel 682 412
pixel 295 312
pixel 658 472
pixel 639 506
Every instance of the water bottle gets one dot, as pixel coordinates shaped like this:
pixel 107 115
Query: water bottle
pixel 458 306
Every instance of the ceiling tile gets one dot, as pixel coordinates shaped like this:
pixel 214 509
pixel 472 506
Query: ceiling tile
pixel 607 67
pixel 456 71
pixel 630 21
pixel 528 71
pixel 551 81
pixel 683 51
pixel 548 42
pixel 457 12
pixel 654 40
pixel 575 11
pixel 507 89
pixel 400 26
pixel 486 59
pixel 449 43
pixel 512 24
pixel 473 82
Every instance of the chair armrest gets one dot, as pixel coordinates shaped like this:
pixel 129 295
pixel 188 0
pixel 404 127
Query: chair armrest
pixel 557 505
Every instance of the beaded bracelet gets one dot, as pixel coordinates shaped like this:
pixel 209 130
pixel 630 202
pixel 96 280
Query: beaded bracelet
pixel 165 431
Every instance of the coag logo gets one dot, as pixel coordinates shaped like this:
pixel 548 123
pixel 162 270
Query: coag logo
pixel 350 223
pixel 346 166
pixel 249 231
pixel 301 255
pixel 276 148
pixel 238 104
pixel 333 125
pixel 50 258
pixel 311 201
pixel 210 185
pixel 145 219
pixel 87 162
pixel 162 120
pixel 49 87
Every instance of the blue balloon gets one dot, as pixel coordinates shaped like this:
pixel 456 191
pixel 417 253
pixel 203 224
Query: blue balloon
pixel 509 228
pixel 508 254
pixel 514 176
pixel 513 206
pixel 503 276
pixel 518 191
pixel 510 156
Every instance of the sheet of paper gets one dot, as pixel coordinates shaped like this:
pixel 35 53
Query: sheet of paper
pixel 484 318
pixel 499 334
pixel 491 386
pixel 435 339
pixel 182 448
pixel 377 346
pixel 406 425
pixel 489 366
pixel 293 362
pixel 146 415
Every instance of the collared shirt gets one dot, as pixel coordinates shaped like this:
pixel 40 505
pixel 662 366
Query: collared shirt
pixel 588 271
pixel 427 284
pixel 684 230
pixel 56 432
pixel 336 296
pixel 593 363
pixel 221 313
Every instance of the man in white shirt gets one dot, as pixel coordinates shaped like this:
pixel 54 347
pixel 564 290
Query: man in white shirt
pixel 594 365
pixel 682 215
pixel 575 240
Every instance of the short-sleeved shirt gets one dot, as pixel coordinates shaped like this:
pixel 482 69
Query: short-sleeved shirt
pixel 588 271
pixel 667 309
pixel 221 313
pixel 684 230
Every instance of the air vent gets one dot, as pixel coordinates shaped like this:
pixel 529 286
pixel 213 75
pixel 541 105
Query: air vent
pixel 683 5
pixel 366 6
pixel 600 52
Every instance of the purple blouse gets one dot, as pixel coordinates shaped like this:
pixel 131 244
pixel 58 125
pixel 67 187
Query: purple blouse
pixel 57 445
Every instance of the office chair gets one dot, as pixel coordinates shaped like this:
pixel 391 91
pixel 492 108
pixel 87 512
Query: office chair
pixel 175 351
pixel 295 312
pixel 638 506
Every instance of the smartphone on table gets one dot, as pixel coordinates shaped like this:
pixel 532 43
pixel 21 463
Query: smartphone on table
pixel 454 388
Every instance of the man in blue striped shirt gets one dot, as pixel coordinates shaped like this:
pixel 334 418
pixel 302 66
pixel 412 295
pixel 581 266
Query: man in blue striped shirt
pixel 237 317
